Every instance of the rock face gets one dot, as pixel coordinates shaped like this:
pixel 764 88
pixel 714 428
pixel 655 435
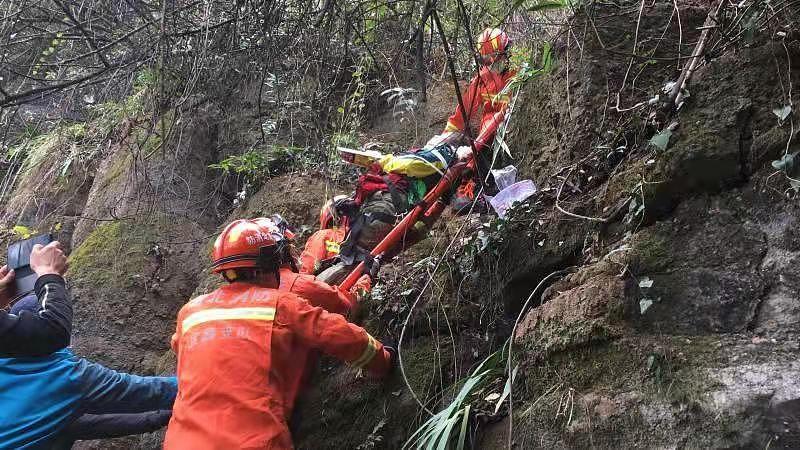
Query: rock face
pixel 680 328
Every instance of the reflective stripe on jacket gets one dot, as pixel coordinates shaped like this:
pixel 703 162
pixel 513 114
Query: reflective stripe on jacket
pixel 322 245
pixel 238 351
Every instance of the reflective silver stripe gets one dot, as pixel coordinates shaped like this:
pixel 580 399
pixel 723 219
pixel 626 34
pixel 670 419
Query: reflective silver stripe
pixel 44 300
pixel 208 315
pixel 369 353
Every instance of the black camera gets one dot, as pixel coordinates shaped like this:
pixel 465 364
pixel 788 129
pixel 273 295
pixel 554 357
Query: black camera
pixel 19 259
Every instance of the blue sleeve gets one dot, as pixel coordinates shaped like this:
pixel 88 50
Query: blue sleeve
pixel 107 391
pixel 105 426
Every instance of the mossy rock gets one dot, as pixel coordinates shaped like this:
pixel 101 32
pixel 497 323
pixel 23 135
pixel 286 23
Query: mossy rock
pixel 128 281
pixel 338 401
pixel 643 391
pixel 112 253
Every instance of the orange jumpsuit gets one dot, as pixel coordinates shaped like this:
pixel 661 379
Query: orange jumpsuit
pixel 317 293
pixel 237 354
pixel 483 90
pixel 322 294
pixel 322 245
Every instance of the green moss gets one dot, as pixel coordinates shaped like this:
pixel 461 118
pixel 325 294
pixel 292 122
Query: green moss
pixel 329 409
pixel 118 167
pixel 114 254
pixel 663 370
pixel 651 252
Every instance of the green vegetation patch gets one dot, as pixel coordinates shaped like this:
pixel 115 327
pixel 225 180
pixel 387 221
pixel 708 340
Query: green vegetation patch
pixel 114 254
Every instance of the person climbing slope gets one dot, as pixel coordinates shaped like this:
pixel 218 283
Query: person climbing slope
pixel 331 298
pixel 306 286
pixel 484 92
pixel 325 243
pixel 237 348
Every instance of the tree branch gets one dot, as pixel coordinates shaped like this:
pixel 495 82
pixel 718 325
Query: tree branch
pixel 89 40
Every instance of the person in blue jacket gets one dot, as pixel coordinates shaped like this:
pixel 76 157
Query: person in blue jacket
pixel 47 327
pixel 45 390
pixel 96 426
pixel 41 396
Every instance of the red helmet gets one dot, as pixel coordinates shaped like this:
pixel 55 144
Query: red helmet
pixel 329 217
pixel 245 244
pixel 491 43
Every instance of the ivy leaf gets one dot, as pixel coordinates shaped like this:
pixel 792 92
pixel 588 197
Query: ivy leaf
pixel 786 163
pixel 644 305
pixel 661 139
pixel 782 112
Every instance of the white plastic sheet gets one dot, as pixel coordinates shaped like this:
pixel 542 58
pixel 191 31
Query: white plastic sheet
pixel 505 177
pixel 517 192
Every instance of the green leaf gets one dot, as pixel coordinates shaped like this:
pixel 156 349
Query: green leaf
pixel 661 139
pixel 506 390
pixel 644 305
pixel 23 231
pixel 543 5
pixel 463 434
pixel 786 163
pixel 444 437
pixel 782 112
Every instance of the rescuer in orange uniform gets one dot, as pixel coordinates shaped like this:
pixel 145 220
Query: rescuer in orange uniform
pixel 237 349
pixel 484 91
pixel 324 244
pixel 306 286
pixel 309 288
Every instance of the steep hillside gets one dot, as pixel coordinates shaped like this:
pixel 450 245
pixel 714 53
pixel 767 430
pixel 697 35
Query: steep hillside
pixel 648 290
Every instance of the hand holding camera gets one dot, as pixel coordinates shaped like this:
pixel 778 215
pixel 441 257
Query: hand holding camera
pixel 48 259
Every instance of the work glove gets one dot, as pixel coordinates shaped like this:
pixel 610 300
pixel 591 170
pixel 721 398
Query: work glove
pixel 464 152
pixel 362 287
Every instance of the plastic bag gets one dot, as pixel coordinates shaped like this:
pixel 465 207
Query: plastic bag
pixel 504 177
pixel 517 192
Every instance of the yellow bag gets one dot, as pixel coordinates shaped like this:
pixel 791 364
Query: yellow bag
pixel 420 164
